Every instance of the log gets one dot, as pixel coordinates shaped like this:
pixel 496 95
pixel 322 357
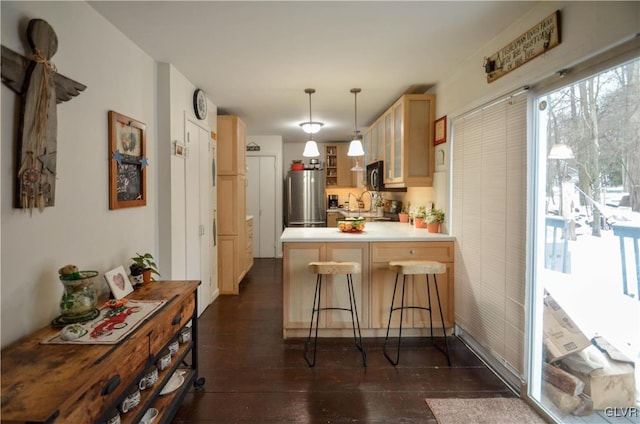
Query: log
pixel 567 404
pixel 561 379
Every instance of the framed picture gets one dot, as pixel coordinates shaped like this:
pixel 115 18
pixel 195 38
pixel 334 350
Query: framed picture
pixel 118 282
pixel 180 150
pixel 440 131
pixel 127 162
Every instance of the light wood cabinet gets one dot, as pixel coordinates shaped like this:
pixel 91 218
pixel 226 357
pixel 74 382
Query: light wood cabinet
pixel 232 203
pixel 382 282
pixel 232 140
pixel 333 218
pixel 73 383
pixel 374 287
pixel 403 137
pixel 299 286
pixel 338 166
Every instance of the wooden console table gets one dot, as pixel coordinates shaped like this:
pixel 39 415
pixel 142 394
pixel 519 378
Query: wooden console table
pixel 72 383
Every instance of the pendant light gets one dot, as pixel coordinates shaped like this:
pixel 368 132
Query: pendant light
pixel 355 147
pixel 311 148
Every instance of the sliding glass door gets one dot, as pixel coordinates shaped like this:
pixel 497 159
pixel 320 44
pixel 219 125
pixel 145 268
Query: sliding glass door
pixel 585 232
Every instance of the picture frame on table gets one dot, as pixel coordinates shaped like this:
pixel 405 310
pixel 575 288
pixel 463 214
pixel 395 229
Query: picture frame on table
pixel 440 131
pixel 127 162
pixel 118 282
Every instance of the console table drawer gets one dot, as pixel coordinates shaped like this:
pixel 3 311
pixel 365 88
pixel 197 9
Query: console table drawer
pixel 166 326
pixel 109 379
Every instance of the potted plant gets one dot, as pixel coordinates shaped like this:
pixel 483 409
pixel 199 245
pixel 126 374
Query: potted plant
pixel 147 263
pixel 403 215
pixel 434 218
pixel 419 215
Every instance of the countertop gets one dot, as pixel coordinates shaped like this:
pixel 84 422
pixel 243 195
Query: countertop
pixel 373 231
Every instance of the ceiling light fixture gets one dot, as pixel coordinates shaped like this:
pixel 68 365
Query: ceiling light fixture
pixel 311 148
pixel 311 127
pixel 355 147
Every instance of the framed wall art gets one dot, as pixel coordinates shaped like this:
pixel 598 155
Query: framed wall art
pixel 440 129
pixel 127 163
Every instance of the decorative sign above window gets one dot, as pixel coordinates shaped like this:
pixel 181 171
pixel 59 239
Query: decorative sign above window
pixel 544 36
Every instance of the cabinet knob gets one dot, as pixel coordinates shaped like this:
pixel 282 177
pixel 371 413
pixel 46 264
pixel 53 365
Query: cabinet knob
pixel 176 320
pixel 111 385
pixel 412 252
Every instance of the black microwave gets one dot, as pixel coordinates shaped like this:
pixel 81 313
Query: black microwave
pixel 375 176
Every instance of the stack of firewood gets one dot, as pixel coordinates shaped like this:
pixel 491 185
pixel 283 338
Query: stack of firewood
pixel 565 390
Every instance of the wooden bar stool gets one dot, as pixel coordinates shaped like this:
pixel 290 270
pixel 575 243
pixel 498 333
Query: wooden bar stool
pixel 415 268
pixel 334 268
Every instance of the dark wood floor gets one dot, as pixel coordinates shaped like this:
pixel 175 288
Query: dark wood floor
pixel 254 376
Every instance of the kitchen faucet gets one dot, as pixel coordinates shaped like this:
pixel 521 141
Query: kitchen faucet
pixel 360 201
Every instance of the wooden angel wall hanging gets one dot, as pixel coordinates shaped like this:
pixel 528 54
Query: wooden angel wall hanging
pixel 41 87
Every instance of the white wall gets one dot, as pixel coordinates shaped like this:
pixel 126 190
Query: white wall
pixel 586 29
pixel 80 228
pixel 177 103
pixel 271 145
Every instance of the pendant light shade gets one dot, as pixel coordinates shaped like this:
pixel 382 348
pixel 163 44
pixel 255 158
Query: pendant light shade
pixel 311 148
pixel 355 147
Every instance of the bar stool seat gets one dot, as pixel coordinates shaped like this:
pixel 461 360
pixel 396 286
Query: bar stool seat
pixel 334 268
pixel 415 267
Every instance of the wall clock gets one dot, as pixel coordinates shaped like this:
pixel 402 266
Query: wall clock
pixel 200 104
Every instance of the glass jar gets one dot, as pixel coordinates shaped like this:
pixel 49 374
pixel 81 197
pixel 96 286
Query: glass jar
pixel 79 298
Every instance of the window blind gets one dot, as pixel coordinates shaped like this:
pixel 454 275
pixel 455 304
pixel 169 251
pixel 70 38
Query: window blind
pixel 489 160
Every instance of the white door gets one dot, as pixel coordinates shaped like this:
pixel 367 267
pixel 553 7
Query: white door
pixel 196 208
pixel 261 204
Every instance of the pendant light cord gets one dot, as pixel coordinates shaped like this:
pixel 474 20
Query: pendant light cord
pixel 355 92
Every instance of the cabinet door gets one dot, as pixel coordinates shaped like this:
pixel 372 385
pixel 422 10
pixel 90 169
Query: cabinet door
pixel 333 218
pixel 398 128
pixel 336 285
pixel 382 281
pixel 345 177
pixel 419 295
pixel 231 152
pixel 228 211
pixel 380 139
pixel 366 145
pixel 241 145
pixel 228 264
pixel 299 284
pixel 388 128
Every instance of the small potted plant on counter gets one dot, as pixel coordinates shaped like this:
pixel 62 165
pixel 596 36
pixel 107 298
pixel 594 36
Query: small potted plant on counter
pixel 147 263
pixel 419 216
pixel 403 215
pixel 434 218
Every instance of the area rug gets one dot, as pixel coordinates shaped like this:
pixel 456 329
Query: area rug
pixel 483 411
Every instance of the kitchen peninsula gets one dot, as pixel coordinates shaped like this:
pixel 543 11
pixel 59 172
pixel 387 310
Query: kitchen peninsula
pixel 373 248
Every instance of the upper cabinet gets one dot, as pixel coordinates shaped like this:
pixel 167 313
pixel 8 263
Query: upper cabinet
pixel 232 136
pixel 406 133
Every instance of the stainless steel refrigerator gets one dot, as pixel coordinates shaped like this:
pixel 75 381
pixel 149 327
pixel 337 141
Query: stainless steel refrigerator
pixel 305 202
